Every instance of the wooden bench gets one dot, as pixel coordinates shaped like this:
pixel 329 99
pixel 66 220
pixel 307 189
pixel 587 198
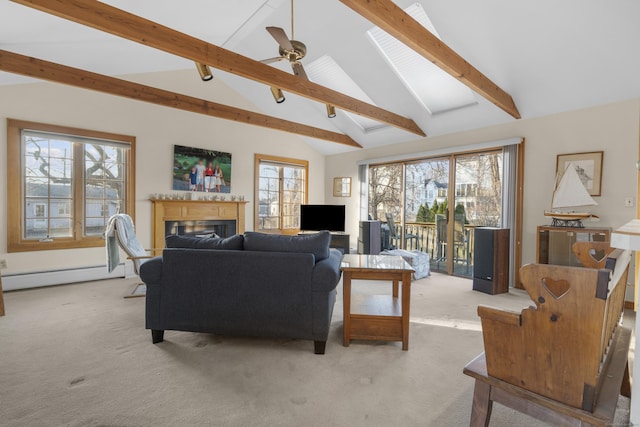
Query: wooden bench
pixel 563 361
pixel 592 254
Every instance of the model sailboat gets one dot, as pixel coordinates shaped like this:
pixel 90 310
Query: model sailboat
pixel 570 193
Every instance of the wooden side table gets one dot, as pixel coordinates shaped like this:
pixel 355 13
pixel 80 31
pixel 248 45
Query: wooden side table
pixel 377 317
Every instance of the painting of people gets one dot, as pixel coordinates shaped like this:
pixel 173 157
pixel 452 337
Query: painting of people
pixel 200 169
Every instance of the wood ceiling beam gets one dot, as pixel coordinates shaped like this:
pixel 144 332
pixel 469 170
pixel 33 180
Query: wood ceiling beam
pixel 395 21
pixel 37 68
pixel 118 22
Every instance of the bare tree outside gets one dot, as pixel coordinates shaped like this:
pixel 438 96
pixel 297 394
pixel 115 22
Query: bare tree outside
pixel 426 182
pixel 53 165
pixel 385 191
pixel 479 188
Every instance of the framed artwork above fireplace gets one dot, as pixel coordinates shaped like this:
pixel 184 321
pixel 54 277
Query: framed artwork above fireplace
pixel 200 169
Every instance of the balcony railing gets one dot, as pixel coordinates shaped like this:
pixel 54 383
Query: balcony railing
pixel 428 239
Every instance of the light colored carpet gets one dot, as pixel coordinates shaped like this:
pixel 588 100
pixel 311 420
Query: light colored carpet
pixel 78 355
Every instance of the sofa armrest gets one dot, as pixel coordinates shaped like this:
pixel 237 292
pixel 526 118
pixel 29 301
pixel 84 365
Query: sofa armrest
pixel 151 271
pixel 326 273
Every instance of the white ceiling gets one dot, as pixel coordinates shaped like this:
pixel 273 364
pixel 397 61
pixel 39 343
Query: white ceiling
pixel 550 56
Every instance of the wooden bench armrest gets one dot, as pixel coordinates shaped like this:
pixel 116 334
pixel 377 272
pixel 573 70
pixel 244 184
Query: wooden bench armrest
pixel 503 316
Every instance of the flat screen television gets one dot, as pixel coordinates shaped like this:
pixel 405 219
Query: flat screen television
pixel 322 217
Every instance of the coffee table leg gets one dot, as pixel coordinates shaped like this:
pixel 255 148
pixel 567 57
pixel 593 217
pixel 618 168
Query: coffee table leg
pixel 395 289
pixel 346 308
pixel 406 306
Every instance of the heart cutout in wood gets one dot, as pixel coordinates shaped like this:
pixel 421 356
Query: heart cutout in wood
pixel 597 255
pixel 557 288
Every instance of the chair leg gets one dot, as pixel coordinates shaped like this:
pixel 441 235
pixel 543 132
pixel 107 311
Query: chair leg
pixel 482 405
pixel 319 347
pixel 157 336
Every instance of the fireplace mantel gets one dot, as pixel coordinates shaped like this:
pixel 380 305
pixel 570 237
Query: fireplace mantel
pixel 194 210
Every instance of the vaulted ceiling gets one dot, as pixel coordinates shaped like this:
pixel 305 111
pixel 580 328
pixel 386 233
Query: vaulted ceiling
pixel 549 56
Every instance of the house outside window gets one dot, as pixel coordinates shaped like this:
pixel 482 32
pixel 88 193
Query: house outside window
pixel 64 209
pixel 281 187
pixel 65 183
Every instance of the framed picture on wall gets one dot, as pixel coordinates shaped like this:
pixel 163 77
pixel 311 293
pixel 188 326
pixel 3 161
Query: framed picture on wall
pixel 587 165
pixel 342 187
pixel 199 169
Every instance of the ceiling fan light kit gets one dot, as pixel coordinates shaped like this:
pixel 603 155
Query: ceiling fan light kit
pixel 293 51
pixel 205 71
pixel 277 95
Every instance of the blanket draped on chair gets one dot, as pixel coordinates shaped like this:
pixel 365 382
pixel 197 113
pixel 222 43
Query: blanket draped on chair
pixel 120 232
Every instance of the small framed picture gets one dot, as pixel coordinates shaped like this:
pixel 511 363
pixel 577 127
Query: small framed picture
pixel 342 187
pixel 587 165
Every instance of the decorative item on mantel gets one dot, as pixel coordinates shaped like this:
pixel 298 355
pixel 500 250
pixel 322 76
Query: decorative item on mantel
pixel 190 196
pixel 570 192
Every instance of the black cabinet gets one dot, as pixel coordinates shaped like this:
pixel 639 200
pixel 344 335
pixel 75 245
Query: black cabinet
pixel 340 241
pixel 491 260
pixel 369 240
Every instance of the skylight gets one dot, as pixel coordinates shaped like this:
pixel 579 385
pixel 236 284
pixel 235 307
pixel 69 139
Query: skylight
pixel 436 90
pixel 326 72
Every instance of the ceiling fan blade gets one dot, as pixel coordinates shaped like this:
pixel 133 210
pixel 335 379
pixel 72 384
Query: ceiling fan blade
pixel 272 60
pixel 281 37
pixel 298 70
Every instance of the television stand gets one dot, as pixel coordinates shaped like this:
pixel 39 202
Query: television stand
pixel 339 240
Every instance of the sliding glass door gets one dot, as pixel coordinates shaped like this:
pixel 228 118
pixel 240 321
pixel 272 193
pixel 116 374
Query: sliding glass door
pixel 426 205
pixel 477 203
pixel 433 205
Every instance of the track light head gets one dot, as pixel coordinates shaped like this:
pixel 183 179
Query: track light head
pixel 277 94
pixel 331 111
pixel 204 71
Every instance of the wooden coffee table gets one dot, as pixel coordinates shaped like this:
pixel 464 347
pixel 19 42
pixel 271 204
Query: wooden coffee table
pixel 376 317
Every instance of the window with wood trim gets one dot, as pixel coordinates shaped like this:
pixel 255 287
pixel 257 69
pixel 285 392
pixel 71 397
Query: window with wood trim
pixel 64 184
pixel 281 186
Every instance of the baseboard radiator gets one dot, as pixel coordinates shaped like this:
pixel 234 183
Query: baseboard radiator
pixel 12 282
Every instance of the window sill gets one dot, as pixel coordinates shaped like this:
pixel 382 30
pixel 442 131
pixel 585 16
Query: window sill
pixel 57 244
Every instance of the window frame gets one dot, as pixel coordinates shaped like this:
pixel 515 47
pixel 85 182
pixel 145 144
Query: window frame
pixel 284 161
pixel 15 189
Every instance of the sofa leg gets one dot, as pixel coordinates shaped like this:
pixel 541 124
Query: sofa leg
pixel 157 336
pixel 319 346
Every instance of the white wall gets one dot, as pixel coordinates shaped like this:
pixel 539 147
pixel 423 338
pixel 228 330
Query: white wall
pixel 157 129
pixel 612 128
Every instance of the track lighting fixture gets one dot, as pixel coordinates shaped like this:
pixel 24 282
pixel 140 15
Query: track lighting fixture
pixel 205 71
pixel 277 94
pixel 331 111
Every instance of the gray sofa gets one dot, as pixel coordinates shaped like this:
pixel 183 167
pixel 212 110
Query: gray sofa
pixel 253 285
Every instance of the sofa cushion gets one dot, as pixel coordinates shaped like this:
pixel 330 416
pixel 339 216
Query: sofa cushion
pixel 187 242
pixel 316 244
